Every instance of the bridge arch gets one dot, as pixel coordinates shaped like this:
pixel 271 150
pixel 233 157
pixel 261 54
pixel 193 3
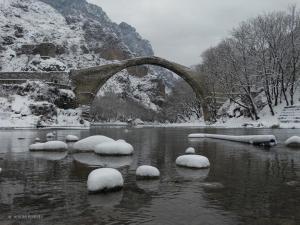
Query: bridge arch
pixel 88 81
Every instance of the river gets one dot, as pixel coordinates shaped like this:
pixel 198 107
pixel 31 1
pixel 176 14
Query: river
pixel 244 185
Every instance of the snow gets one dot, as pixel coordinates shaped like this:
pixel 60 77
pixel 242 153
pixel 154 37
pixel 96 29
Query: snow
pixel 37 140
pixel 190 150
pixel 15 110
pixel 293 142
pixel 49 146
pixel 119 147
pixel 88 144
pixel 104 179
pixel 193 161
pixel 68 93
pixel 269 140
pixel 147 172
pixel 71 138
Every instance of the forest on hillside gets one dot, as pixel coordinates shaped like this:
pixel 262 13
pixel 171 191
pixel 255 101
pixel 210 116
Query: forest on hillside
pixel 257 66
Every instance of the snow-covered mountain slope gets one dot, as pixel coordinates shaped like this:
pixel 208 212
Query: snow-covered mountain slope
pixel 35 103
pixel 57 35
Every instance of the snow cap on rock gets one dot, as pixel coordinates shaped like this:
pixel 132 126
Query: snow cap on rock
pixel 89 143
pixel 193 161
pixel 71 138
pixel 104 179
pixel 147 172
pixel 293 141
pixel 49 146
pixel 119 147
pixel 190 150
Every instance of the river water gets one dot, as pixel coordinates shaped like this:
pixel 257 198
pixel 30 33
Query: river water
pixel 244 185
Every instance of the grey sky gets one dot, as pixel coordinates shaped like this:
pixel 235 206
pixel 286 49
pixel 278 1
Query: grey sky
pixel 180 30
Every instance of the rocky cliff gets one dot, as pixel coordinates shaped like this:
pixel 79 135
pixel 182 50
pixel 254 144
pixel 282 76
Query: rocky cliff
pixel 57 35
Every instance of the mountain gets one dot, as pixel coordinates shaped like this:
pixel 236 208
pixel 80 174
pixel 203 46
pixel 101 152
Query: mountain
pixel 59 35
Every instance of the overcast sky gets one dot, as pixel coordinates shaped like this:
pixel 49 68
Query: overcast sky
pixel 180 30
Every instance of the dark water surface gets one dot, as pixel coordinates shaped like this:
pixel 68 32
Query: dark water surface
pixel 245 184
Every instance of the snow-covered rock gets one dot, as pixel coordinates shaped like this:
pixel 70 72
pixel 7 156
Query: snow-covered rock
pixel 193 161
pixel 71 138
pixel 293 142
pixel 36 140
pixel 149 172
pixel 89 143
pixel 268 140
pixel 190 150
pixel 49 146
pixel 50 135
pixel 104 179
pixel 114 148
pixel 136 122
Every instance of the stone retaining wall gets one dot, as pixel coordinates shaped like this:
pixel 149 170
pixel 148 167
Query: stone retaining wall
pixel 55 77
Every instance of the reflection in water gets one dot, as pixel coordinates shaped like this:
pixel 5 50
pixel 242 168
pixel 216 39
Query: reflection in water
pixel 192 174
pixel 49 155
pixel 148 185
pixel 244 185
pixel 10 190
pixel 94 160
pixel 105 199
pixel 212 185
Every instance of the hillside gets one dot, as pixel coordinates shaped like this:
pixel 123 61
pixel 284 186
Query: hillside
pixel 59 35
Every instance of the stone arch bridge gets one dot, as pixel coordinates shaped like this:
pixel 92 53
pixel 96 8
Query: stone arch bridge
pixel 88 81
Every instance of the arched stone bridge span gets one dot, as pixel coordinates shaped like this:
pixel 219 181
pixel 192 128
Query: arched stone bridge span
pixel 88 81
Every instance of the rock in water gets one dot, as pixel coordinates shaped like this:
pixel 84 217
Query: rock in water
pixel 89 143
pixel 193 161
pixel 104 179
pixel 119 147
pixel 71 138
pixel 264 140
pixel 49 146
pixel 147 172
pixel 293 142
pixel 50 135
pixel 190 150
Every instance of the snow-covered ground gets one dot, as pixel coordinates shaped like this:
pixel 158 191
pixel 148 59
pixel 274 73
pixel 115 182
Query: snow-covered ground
pixel 33 104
